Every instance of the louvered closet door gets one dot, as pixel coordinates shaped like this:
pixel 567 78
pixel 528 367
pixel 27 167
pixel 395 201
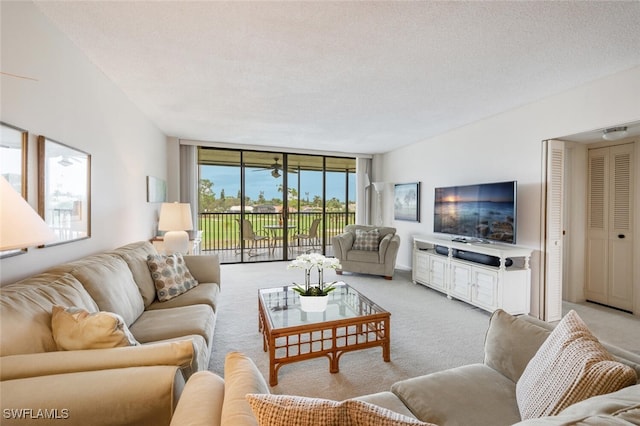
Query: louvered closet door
pixel 554 230
pixel 609 236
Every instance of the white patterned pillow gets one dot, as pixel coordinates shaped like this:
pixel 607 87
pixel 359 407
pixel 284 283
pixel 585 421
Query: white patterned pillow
pixel 170 275
pixel 367 240
pixel 570 366
pixel 285 410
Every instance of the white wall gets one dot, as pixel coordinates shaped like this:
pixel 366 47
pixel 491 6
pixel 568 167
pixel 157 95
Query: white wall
pixel 505 147
pixel 74 103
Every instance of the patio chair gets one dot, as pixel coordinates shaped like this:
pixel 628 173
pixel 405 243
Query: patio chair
pixel 311 236
pixel 249 237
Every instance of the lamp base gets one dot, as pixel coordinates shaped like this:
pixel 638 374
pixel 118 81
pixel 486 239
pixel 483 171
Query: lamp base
pixel 176 242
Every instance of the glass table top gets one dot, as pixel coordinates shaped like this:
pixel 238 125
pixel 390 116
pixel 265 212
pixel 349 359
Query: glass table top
pixel 282 306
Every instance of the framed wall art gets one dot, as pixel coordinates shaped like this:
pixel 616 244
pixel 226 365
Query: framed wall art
pixel 13 165
pixel 406 201
pixel 156 190
pixel 64 190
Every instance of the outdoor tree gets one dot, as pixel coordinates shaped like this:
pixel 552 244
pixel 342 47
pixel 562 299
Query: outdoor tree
pixel 206 196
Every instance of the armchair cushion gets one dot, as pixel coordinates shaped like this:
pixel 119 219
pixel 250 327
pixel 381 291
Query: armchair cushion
pixel 367 240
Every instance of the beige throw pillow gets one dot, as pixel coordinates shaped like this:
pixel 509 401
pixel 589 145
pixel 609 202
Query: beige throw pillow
pixel 367 240
pixel 570 366
pixel 77 329
pixel 170 275
pixel 285 410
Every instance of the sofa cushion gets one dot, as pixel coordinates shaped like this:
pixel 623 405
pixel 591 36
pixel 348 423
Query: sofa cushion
pixel 241 377
pixel 285 410
pixel 26 311
pixel 135 254
pixel 506 332
pixel 570 366
pixel 366 240
pixel 170 275
pixel 77 329
pixel 203 294
pixel 108 279
pixel 386 400
pixel 617 408
pixel 469 395
pixel 163 324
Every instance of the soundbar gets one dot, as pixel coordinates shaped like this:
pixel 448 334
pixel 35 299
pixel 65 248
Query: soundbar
pixel 484 259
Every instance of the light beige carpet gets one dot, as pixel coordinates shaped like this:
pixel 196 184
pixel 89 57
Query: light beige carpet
pixel 429 332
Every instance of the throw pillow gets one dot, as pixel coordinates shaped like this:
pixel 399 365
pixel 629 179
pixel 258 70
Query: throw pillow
pixel 570 366
pixel 285 410
pixel 170 275
pixel 77 329
pixel 367 240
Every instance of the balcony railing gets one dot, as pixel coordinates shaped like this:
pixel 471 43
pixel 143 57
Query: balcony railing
pixel 221 231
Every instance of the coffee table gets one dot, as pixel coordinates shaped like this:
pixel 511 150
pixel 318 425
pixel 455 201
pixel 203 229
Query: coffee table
pixel 351 322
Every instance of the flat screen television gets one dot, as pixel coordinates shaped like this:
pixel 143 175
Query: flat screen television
pixel 482 212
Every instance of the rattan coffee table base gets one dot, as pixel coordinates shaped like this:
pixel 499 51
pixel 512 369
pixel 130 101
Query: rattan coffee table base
pixel 325 338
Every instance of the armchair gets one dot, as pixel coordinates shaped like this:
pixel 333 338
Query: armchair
pixel 367 249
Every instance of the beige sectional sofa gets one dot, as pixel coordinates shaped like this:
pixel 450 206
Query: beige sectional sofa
pixel 130 385
pixel 477 394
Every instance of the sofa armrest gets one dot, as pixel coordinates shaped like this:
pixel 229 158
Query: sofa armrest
pixel 241 376
pixel 201 401
pixel 122 396
pixel 179 354
pixel 204 268
pixel 342 243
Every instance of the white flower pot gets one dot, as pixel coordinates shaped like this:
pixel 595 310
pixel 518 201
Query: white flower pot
pixel 314 303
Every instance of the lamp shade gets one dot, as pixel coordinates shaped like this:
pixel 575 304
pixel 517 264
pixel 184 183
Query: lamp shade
pixel 20 225
pixel 175 217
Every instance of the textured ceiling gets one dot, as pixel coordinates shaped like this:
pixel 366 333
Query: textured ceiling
pixel 356 77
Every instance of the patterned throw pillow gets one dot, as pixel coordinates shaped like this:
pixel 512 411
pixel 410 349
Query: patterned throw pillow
pixel 285 410
pixel 367 240
pixel 570 366
pixel 76 329
pixel 170 275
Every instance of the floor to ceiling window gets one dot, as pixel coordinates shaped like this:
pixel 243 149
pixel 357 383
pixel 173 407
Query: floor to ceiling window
pixel 261 206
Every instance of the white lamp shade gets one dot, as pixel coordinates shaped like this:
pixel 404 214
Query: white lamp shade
pixel 20 225
pixel 175 217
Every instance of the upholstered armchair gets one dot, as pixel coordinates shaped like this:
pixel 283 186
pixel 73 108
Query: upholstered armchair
pixel 367 249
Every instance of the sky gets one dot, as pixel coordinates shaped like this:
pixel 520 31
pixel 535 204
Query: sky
pixel 228 178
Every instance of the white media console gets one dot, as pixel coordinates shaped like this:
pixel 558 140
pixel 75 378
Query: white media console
pixel 487 275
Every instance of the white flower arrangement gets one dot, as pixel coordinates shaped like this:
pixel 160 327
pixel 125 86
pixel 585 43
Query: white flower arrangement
pixel 311 261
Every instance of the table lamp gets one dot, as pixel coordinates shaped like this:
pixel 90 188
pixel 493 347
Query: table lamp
pixel 20 226
pixel 175 218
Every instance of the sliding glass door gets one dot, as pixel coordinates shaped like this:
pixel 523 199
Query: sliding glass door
pixel 261 206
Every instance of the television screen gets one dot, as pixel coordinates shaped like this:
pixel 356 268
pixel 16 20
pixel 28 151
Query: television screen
pixel 485 211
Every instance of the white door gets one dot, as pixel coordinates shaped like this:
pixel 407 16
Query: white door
pixel 551 295
pixel 609 221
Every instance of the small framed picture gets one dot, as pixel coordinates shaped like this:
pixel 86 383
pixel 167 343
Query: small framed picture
pixel 64 190
pixel 156 190
pixel 406 201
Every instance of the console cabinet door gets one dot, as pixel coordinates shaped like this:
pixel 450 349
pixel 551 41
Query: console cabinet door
pixel 438 272
pixel 421 267
pixel 485 288
pixel 460 281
